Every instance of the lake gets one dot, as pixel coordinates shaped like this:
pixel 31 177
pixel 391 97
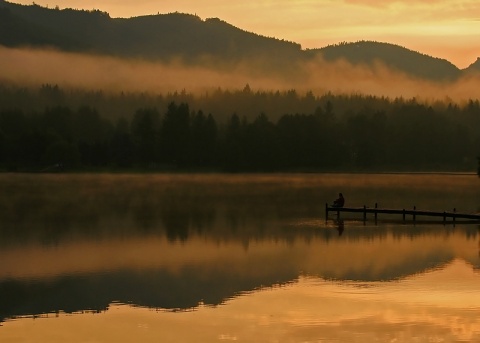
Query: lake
pixel 241 257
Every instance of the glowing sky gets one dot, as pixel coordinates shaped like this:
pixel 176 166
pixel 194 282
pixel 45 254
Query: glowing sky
pixel 448 29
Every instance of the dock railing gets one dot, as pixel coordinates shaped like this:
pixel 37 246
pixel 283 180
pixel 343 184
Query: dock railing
pixel 453 215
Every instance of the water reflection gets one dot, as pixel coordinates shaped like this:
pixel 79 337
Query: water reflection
pixel 340 226
pixel 153 271
pixel 432 306
pixel 71 244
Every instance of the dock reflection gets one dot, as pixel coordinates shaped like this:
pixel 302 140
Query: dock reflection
pixel 72 243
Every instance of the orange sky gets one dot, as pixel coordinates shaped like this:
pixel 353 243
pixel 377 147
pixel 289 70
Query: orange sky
pixel 448 29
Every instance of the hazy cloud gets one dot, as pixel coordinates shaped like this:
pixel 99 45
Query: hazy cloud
pixel 36 67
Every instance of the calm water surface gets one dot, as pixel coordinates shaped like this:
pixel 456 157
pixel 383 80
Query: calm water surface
pixel 246 258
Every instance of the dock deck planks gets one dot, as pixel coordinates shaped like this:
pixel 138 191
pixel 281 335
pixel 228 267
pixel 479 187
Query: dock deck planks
pixel 454 215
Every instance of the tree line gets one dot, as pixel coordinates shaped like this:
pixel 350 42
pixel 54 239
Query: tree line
pixel 405 136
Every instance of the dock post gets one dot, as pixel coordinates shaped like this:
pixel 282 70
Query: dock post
pixel 376 206
pixel 414 213
pixel 444 217
pixel 364 213
pixel 326 211
pixel 454 216
pixel 403 214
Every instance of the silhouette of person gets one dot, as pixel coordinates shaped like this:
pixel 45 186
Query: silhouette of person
pixel 340 201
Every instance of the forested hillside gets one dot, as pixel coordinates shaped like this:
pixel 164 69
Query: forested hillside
pixel 474 67
pixel 185 132
pixel 157 37
pixel 185 37
pixel 398 58
pixel 225 129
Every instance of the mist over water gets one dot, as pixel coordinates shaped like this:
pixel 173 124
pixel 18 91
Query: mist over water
pixel 32 67
pixel 182 258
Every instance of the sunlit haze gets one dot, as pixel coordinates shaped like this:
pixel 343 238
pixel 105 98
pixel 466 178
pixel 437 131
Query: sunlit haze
pixel 320 77
pixel 447 29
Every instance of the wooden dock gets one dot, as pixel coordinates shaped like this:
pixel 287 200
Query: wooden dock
pixel 411 213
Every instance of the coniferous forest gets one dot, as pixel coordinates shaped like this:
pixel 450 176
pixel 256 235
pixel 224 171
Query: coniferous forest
pixel 51 129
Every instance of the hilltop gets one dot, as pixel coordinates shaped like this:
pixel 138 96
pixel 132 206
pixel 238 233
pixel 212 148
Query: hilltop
pixel 396 57
pixel 474 67
pixel 173 36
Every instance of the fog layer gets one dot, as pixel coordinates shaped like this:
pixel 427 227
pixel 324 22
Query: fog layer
pixel 31 67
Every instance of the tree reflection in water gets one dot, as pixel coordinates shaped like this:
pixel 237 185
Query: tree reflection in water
pixel 82 242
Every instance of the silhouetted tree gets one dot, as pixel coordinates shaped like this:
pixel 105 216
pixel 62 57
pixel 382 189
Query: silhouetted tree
pixel 57 125
pixel 13 128
pixel 204 140
pixel 145 129
pixel 233 148
pixel 122 147
pixel 261 144
pixel 300 141
pixel 367 139
pixel 175 135
pixel 93 135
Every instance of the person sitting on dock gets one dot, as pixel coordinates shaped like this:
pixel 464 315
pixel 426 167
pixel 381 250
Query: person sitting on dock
pixel 340 201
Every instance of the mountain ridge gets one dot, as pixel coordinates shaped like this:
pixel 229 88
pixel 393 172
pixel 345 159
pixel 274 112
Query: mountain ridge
pixel 400 58
pixel 474 67
pixel 187 37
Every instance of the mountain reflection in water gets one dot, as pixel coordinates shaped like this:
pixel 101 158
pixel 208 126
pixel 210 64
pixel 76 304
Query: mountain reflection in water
pixel 173 243
pixel 152 271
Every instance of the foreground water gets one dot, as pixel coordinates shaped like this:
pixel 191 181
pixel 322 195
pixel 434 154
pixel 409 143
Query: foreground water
pixel 247 258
